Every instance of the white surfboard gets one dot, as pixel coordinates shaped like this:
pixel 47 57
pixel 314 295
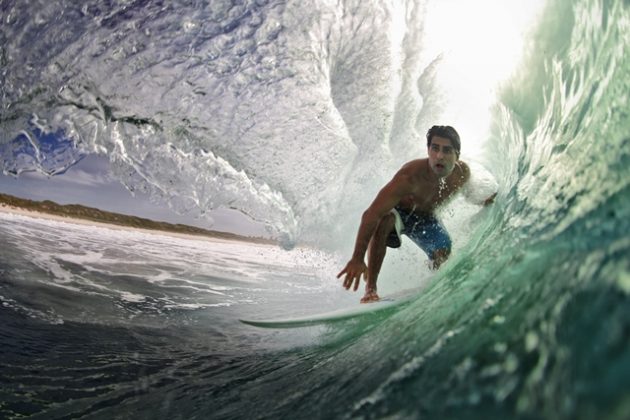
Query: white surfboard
pixel 366 309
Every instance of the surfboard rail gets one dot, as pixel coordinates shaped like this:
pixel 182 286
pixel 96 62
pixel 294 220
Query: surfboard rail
pixel 339 315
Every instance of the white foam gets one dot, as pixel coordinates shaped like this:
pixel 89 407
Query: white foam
pixel 166 272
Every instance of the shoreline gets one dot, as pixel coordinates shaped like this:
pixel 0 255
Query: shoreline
pixel 6 208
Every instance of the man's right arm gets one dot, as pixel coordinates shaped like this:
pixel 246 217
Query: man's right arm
pixel 385 200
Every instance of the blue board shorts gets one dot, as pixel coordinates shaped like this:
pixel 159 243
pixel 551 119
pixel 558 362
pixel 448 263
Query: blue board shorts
pixel 426 231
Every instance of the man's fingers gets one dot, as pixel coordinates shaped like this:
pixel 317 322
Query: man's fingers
pixel 351 280
pixel 357 278
pixel 352 277
pixel 347 282
pixel 490 199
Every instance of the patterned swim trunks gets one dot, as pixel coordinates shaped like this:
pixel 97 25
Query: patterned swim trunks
pixel 426 231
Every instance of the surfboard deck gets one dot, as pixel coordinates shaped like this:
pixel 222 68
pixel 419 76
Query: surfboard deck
pixel 344 314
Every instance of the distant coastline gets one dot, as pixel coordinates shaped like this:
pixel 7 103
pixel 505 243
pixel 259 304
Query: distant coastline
pixel 76 211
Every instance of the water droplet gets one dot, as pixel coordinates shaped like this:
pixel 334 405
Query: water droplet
pixel 531 341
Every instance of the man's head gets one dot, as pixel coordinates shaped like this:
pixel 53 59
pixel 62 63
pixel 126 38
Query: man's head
pixel 447 132
pixel 443 147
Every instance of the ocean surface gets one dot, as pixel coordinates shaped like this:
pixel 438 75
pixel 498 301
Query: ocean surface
pixel 295 114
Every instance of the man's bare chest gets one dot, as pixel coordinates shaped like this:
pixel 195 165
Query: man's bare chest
pixel 429 196
pixel 436 194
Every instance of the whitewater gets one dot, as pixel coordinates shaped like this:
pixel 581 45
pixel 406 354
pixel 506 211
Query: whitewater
pixel 295 114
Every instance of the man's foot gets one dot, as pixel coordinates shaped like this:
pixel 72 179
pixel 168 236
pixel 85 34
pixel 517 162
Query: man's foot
pixel 370 297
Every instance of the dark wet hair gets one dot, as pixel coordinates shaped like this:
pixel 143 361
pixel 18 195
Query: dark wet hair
pixel 447 132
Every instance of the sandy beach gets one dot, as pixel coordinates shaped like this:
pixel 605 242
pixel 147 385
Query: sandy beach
pixel 4 208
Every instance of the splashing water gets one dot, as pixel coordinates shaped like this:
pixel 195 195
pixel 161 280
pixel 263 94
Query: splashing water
pixel 296 114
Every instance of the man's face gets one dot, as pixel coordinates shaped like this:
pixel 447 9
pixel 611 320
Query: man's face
pixel 442 156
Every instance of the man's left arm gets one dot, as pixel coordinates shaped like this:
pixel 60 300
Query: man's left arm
pixel 480 186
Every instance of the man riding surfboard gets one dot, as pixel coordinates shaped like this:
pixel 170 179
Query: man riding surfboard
pixel 406 205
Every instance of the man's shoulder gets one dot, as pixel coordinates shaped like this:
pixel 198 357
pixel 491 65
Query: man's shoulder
pixel 412 169
pixel 463 167
pixel 409 177
pixel 461 171
pixel 414 165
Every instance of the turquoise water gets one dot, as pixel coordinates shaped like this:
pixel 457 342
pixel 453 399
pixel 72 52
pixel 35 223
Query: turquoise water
pixel 529 319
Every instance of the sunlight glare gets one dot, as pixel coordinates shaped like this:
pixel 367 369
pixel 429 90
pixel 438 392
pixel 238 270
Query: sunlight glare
pixel 481 43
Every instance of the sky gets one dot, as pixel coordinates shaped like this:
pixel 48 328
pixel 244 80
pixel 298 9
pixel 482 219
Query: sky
pixel 89 182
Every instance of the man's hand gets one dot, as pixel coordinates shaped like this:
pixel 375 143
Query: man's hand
pixel 489 200
pixel 353 271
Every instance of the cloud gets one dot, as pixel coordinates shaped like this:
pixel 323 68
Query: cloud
pixel 91 171
pixel 90 183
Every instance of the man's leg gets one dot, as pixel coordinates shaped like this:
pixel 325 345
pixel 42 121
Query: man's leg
pixel 431 236
pixel 376 255
pixel 440 256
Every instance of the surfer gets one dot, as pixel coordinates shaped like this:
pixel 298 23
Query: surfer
pixel 407 205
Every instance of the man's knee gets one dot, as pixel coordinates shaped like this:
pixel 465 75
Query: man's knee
pixel 440 256
pixel 384 228
pixel 385 225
